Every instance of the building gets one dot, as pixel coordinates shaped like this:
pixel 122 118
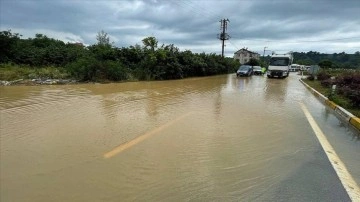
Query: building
pixel 78 44
pixel 244 55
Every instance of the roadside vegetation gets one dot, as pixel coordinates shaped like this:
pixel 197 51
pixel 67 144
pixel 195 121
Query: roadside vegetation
pixel 46 58
pixel 347 91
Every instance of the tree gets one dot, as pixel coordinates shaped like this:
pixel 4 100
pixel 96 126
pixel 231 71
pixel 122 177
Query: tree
pixel 306 61
pixel 150 42
pixel 325 64
pixel 253 62
pixel 42 41
pixel 103 50
pixel 8 42
pixel 343 57
pixel 103 38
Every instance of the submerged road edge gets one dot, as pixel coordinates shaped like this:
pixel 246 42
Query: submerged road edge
pixel 345 177
pixel 343 113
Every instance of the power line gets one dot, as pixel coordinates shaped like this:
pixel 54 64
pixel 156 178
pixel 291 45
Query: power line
pixel 326 40
pixel 288 42
pixel 230 41
pixel 196 9
pixel 209 11
pixel 303 41
pixel 201 9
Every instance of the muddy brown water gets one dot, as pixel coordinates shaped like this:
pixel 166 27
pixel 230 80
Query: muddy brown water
pixel 217 138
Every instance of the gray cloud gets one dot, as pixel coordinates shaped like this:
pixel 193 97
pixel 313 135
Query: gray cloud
pixel 302 25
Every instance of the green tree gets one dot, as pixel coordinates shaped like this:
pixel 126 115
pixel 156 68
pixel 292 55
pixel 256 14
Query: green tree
pixel 326 64
pixel 103 61
pixel 103 38
pixel 42 41
pixel 306 61
pixel 150 42
pixel 103 50
pixel 131 56
pixel 253 62
pixel 74 52
pixel 8 42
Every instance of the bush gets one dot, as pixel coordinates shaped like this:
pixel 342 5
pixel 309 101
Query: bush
pixel 141 74
pixel 354 96
pixel 342 101
pixel 348 86
pixel 311 78
pixel 115 71
pixel 323 76
pixel 352 93
pixel 84 69
pixel 328 83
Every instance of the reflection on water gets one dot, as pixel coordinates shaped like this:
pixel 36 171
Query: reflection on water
pixel 200 139
pixel 276 90
pixel 242 83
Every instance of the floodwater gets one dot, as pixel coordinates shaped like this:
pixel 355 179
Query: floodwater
pixel 217 138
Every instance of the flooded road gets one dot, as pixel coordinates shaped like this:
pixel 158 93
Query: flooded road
pixel 217 138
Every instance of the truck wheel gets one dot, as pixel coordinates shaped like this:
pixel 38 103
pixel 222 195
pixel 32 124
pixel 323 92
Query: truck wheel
pixel 269 76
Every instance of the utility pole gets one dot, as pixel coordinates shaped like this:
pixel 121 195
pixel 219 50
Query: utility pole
pixel 264 53
pixel 223 35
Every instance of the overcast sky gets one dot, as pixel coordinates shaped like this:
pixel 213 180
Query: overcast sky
pixel 326 26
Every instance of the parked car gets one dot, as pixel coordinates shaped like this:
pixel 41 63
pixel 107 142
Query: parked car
pixel 244 70
pixel 257 70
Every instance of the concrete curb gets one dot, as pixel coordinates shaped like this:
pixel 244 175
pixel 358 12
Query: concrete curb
pixel 355 121
pixel 347 116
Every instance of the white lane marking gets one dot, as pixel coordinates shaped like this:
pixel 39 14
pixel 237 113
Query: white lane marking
pixel 141 138
pixel 345 177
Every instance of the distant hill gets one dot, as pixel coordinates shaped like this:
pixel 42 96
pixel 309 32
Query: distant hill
pixel 335 60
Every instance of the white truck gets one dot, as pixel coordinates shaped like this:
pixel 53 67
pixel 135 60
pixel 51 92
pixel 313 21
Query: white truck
pixel 279 65
pixel 295 68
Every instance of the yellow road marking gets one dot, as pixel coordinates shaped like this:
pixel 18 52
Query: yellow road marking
pixel 345 177
pixel 141 138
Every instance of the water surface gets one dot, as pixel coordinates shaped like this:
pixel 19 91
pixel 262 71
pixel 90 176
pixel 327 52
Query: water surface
pixel 217 138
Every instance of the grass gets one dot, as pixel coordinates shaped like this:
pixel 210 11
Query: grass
pixel 338 99
pixel 9 72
